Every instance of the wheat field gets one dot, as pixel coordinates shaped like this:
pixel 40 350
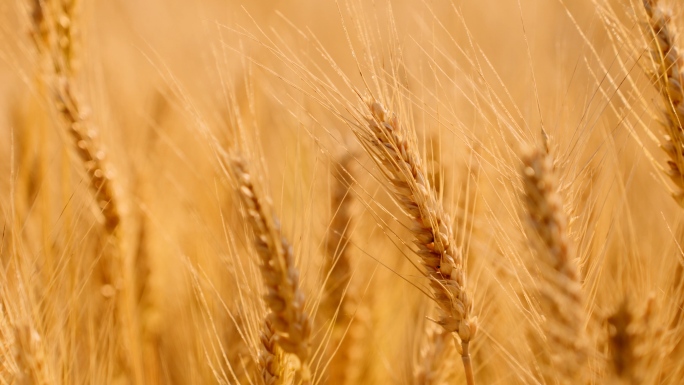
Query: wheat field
pixel 341 192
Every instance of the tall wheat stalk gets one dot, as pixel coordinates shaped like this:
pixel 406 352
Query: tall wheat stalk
pixel 54 31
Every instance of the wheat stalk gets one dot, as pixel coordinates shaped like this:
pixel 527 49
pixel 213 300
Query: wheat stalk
pixel 285 300
pixel 339 297
pixel 54 34
pixel 559 287
pixel 395 152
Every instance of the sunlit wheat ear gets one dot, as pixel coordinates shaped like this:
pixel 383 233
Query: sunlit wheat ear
pixel 284 298
pixel 395 152
pixel 668 79
pixel 558 287
pixel 55 29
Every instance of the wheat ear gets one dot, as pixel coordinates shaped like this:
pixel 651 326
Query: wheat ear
pixel 54 29
pixel 559 288
pixel 622 342
pixel 285 300
pixel 55 37
pixel 668 79
pixel 394 151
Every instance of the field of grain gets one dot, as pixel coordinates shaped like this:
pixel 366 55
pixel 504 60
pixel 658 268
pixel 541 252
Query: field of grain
pixel 341 192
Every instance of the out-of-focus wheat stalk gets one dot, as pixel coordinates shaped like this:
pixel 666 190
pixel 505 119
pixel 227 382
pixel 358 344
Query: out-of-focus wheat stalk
pixel 337 262
pixel 54 31
pixel 558 286
pixel 339 297
pixel 394 151
pixel 435 351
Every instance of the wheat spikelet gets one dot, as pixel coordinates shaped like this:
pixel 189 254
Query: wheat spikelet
pixel 669 80
pixel 559 288
pixel 435 351
pixel 284 299
pixel 622 342
pixel 270 361
pixel 394 151
pixel 30 357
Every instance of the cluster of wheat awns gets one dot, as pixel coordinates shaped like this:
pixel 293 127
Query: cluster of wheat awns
pixel 279 330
